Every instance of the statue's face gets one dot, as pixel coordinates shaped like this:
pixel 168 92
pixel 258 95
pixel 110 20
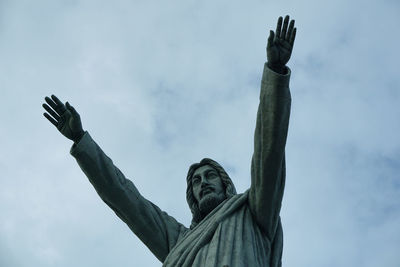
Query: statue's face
pixel 208 189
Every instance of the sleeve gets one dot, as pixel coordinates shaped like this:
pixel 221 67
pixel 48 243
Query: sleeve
pixel 155 228
pixel 268 161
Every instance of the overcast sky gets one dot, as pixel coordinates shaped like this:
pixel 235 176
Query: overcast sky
pixel 162 84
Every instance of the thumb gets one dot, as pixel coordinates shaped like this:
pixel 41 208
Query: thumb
pixel 71 108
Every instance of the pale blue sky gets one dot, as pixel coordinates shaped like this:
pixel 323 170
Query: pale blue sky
pixel 160 85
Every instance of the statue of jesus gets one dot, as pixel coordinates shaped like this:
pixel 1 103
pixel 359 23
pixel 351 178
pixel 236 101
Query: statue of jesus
pixel 227 229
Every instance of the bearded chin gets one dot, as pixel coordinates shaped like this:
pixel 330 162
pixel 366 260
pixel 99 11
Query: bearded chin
pixel 208 203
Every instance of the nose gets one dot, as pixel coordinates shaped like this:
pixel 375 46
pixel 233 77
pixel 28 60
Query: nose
pixel 204 181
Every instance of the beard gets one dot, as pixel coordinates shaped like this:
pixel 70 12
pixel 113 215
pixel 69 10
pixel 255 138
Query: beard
pixel 209 202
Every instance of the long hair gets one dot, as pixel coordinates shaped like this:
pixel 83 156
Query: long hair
pixel 226 181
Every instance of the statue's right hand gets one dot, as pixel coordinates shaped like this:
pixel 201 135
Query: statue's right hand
pixel 64 117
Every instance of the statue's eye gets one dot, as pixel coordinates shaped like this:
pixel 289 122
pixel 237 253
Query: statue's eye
pixel 196 180
pixel 212 175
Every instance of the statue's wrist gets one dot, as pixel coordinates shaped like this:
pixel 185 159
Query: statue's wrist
pixel 278 68
pixel 78 136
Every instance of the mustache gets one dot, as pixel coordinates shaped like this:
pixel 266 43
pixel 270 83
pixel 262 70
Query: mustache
pixel 205 189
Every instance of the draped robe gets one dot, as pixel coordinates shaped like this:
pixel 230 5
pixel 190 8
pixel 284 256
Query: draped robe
pixel 244 230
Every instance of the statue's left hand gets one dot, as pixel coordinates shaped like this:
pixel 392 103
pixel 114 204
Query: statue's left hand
pixel 280 45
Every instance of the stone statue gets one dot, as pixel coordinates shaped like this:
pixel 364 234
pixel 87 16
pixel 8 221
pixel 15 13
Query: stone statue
pixel 227 229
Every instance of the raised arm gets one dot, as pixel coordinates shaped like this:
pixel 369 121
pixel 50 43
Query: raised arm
pixel 157 230
pixel 268 162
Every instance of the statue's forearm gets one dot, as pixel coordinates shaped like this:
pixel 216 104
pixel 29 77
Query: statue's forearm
pixel 154 227
pixel 99 168
pixel 273 112
pixel 269 145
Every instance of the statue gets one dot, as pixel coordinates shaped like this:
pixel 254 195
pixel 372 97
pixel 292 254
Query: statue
pixel 227 229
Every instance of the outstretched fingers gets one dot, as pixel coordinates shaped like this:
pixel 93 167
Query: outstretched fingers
pixel 51 112
pixel 278 28
pixel 292 37
pixel 270 39
pixel 55 109
pixel 51 103
pixel 290 31
pixel 53 121
pixel 284 28
pixel 60 105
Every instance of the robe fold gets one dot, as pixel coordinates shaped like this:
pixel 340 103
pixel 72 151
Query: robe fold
pixel 244 230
